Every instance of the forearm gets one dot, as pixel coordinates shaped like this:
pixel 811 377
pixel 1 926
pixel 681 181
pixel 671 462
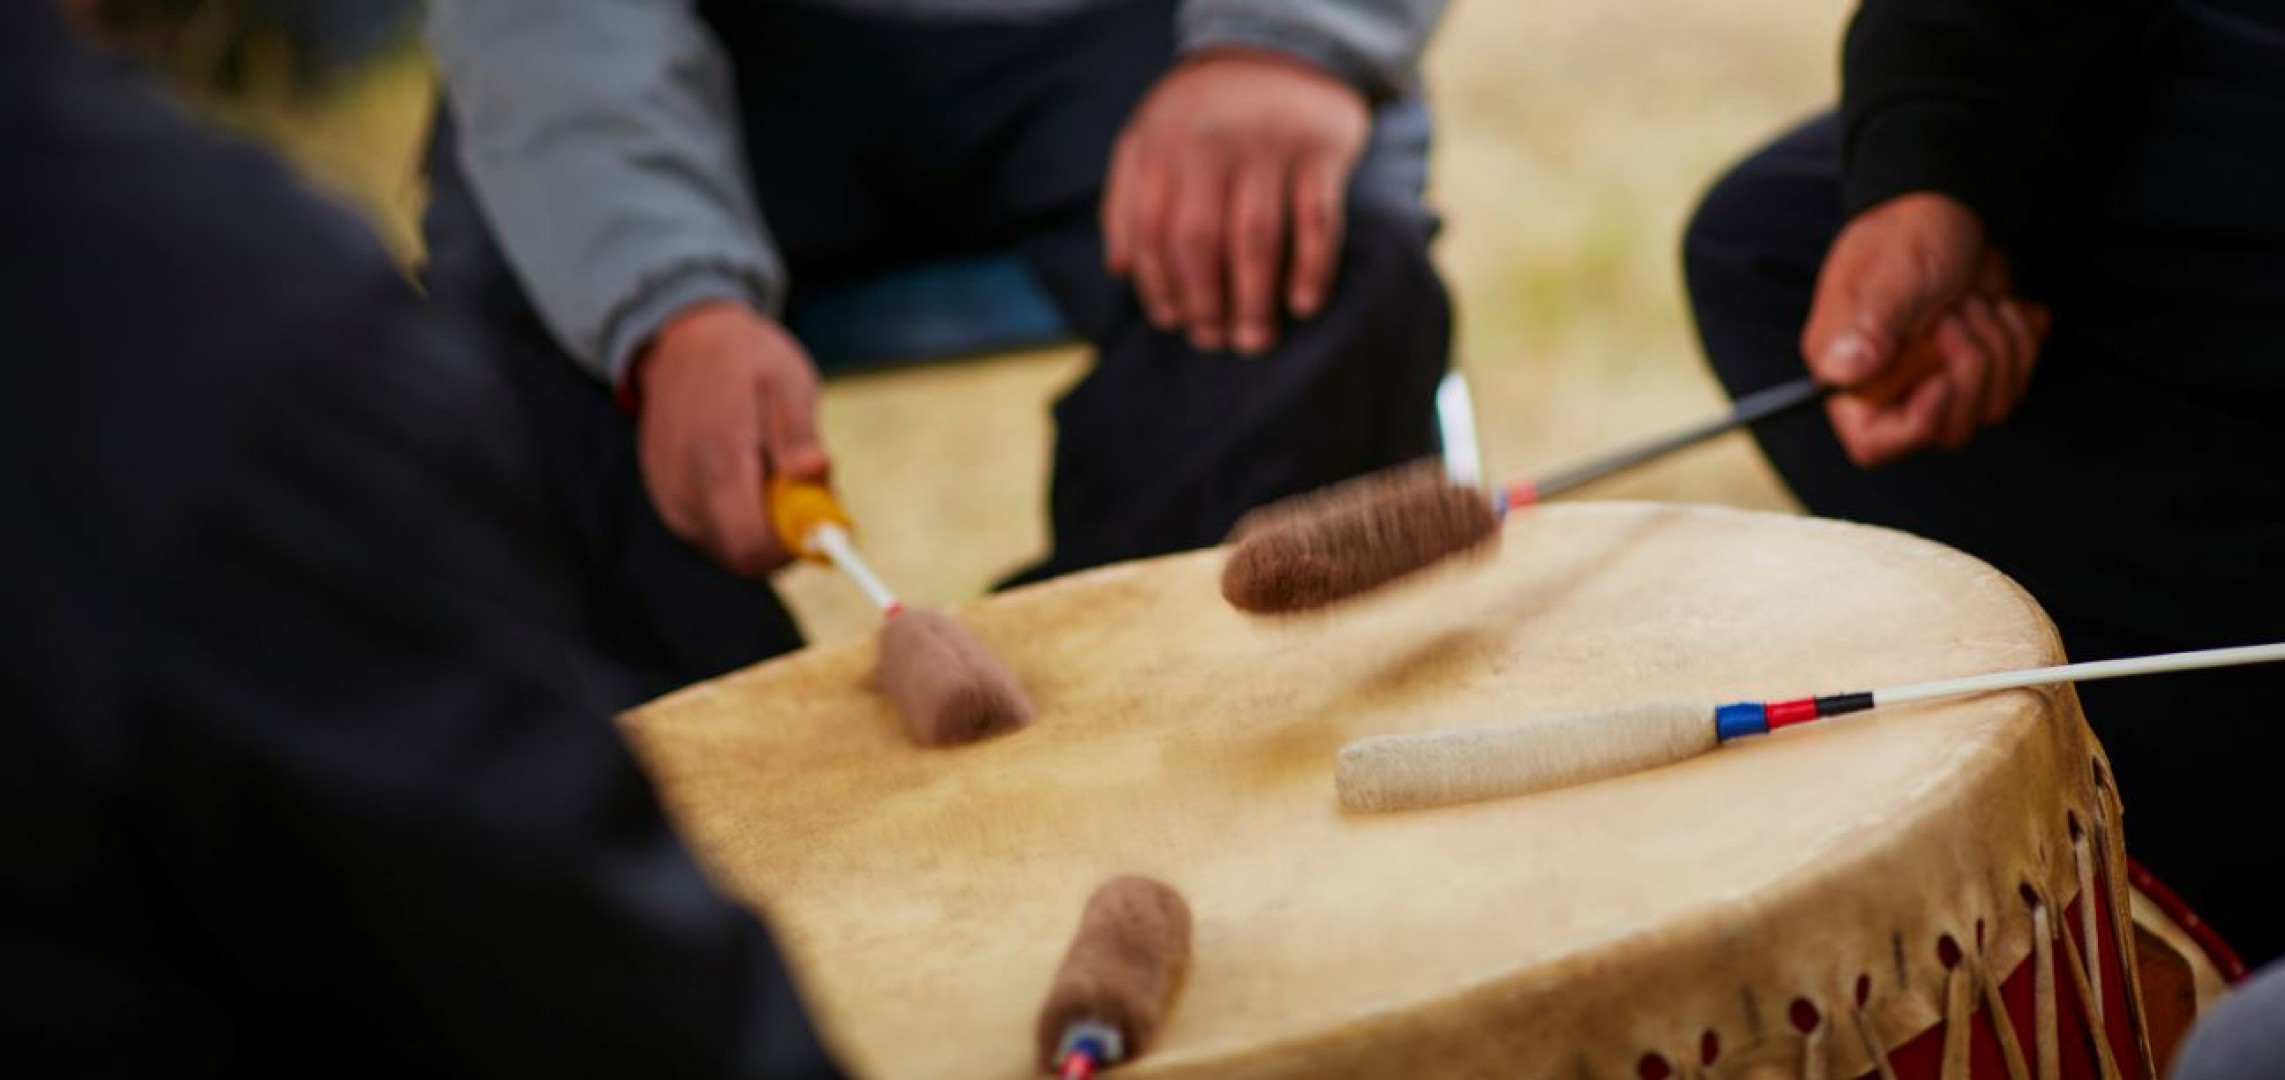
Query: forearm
pixel 1967 98
pixel 601 140
pixel 1374 44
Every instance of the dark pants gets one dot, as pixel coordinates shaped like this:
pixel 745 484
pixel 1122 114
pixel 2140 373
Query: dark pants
pixel 875 142
pixel 2139 491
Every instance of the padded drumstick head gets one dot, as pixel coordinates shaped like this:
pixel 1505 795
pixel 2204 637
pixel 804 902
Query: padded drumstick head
pixel 1414 772
pixel 1311 550
pixel 942 681
pixel 1122 968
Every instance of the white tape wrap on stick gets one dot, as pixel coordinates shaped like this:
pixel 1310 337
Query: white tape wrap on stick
pixel 1414 772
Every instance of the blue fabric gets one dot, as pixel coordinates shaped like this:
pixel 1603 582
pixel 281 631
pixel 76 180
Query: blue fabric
pixel 934 310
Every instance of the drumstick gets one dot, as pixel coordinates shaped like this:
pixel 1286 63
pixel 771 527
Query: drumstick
pixel 1407 772
pixel 944 683
pixel 1745 412
pixel 1311 550
pixel 1117 979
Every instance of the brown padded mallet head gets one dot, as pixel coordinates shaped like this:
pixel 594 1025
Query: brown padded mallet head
pixel 1123 966
pixel 1312 550
pixel 948 688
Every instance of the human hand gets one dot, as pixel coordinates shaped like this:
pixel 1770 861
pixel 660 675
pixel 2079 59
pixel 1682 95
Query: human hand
pixel 728 398
pixel 1234 167
pixel 1916 321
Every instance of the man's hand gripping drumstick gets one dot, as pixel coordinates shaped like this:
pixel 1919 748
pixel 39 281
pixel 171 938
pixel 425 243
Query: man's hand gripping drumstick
pixel 1916 322
pixel 1914 339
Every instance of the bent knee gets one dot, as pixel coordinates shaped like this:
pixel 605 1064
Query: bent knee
pixel 1770 216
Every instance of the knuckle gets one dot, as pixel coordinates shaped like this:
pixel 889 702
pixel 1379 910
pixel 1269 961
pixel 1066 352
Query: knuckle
pixel 1257 237
pixel 1210 135
pixel 1144 194
pixel 710 465
pixel 801 381
pixel 1143 220
pixel 1312 210
pixel 1196 235
pixel 1863 451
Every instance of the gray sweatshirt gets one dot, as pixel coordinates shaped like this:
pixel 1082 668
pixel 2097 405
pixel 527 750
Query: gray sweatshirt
pixel 602 142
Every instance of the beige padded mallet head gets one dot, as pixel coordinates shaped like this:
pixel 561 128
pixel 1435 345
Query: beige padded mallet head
pixel 1471 764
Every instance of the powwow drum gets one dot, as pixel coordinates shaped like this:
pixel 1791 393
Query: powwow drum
pixel 1927 891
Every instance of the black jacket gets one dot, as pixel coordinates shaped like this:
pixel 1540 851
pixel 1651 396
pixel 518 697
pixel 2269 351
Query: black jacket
pixel 300 771
pixel 1983 99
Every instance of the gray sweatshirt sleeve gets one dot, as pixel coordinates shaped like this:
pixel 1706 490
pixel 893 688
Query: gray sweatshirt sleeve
pixel 602 140
pixel 1374 44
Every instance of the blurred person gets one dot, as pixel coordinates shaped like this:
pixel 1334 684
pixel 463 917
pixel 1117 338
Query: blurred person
pixel 302 773
pixel 1222 196
pixel 2043 243
pixel 2242 1037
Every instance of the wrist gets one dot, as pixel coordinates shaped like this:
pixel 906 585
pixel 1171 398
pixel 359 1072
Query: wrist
pixel 1936 207
pixel 1298 55
pixel 1937 232
pixel 700 321
pixel 1238 52
pixel 634 324
pixel 685 332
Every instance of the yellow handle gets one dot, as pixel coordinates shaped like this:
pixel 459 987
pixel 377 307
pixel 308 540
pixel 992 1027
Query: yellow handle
pixel 797 508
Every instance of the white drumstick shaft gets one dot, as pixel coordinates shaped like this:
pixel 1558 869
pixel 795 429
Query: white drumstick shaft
pixel 2086 672
pixel 1405 772
pixel 834 541
pixel 1456 422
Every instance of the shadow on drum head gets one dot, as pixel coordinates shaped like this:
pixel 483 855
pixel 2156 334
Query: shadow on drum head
pixel 1297 742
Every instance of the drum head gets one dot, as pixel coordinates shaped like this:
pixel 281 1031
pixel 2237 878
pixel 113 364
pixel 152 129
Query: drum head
pixel 926 895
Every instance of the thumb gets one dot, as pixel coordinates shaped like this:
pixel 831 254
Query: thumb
pixel 1848 360
pixel 792 442
pixel 1868 316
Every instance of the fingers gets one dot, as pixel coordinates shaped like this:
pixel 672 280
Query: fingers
pixel 2026 326
pixel 1994 347
pixel 1998 355
pixel 1875 433
pixel 1984 354
pixel 1967 368
pixel 1229 158
pixel 705 480
pixel 1195 244
pixel 1992 277
pixel 1147 197
pixel 1118 209
pixel 735 526
pixel 1845 358
pixel 1256 247
pixel 1943 407
pixel 1890 274
pixel 1317 224
pixel 790 411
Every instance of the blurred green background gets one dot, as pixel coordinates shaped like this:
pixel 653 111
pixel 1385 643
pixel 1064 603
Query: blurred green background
pixel 1574 137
